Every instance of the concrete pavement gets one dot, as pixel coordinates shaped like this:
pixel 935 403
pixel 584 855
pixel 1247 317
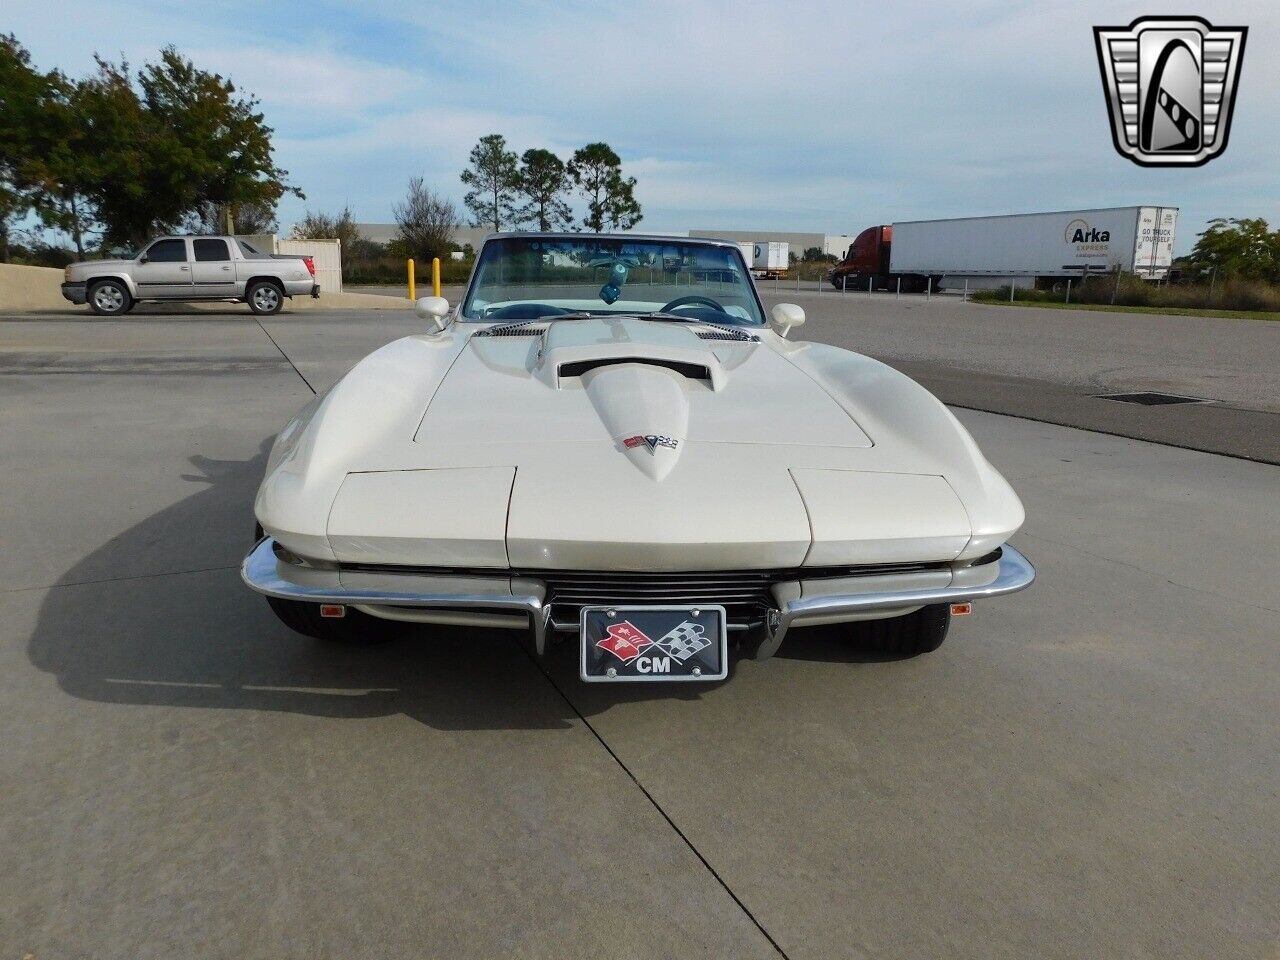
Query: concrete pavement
pixel 1085 769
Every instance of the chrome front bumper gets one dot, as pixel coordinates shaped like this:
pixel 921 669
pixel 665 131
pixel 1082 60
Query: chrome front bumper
pixel 798 602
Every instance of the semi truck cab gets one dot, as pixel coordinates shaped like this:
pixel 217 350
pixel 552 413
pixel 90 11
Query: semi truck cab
pixel 867 263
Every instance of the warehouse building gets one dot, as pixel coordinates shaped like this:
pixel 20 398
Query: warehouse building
pixel 834 244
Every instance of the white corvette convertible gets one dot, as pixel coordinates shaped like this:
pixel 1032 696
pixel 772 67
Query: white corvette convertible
pixel 606 439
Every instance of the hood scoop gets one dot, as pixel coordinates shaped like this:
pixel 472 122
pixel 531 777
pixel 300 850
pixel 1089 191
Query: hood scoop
pixel 645 408
pixel 577 348
pixel 638 376
pixel 691 371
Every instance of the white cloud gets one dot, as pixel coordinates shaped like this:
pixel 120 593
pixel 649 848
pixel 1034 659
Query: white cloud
pixel 826 115
pixel 314 83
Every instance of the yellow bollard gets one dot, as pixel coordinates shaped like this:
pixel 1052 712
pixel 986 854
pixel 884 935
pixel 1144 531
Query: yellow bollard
pixel 412 291
pixel 435 276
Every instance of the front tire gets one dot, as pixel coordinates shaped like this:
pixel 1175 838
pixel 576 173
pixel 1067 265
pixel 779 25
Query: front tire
pixel 903 637
pixel 109 298
pixel 354 629
pixel 264 298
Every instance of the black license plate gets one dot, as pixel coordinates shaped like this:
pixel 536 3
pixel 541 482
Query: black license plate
pixel 654 643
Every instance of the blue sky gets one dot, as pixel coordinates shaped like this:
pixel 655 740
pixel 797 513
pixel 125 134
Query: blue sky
pixel 737 115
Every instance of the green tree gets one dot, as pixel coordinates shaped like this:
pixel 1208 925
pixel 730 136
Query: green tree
pixel 321 226
pixel 26 106
pixel 43 150
pixel 247 219
pixel 219 138
pixel 119 182
pixel 138 155
pixel 815 255
pixel 1244 249
pixel 179 140
pixel 427 220
pixel 545 183
pixel 494 180
pixel 597 173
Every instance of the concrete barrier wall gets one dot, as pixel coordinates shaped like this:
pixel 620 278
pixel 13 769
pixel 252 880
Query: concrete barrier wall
pixel 25 289
pixel 30 288
pixel 325 254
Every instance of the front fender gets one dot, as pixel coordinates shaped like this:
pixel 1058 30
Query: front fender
pixel 358 424
pixel 909 424
pixel 122 277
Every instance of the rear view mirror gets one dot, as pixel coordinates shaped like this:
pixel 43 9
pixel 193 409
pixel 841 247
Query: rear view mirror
pixel 434 310
pixel 785 316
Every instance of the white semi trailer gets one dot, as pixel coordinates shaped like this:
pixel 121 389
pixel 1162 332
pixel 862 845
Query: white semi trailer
pixel 770 258
pixel 1019 248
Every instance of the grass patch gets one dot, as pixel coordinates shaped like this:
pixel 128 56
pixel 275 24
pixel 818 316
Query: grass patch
pixel 1118 308
pixel 1233 298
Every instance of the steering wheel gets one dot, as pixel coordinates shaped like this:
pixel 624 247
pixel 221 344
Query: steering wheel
pixel 690 301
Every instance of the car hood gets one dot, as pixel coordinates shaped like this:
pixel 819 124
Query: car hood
pixel 89 267
pixel 651 389
pixel 115 262
pixel 610 444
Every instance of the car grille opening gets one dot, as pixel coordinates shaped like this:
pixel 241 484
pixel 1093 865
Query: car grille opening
pixel 745 595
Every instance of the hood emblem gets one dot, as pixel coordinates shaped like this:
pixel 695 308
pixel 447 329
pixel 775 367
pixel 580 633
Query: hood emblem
pixel 652 440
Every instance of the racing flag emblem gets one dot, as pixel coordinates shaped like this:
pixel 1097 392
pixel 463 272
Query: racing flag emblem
pixel 625 641
pixel 652 440
pixel 684 641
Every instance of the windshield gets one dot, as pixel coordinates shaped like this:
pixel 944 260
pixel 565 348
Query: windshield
pixel 526 278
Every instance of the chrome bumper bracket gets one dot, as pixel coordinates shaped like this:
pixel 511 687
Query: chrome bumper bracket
pixel 268 574
pixel 1013 572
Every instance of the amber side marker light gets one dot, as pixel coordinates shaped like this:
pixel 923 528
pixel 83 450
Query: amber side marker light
pixel 961 609
pixel 332 610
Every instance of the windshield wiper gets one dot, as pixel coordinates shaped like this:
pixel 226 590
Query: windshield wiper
pixel 733 331
pixel 659 315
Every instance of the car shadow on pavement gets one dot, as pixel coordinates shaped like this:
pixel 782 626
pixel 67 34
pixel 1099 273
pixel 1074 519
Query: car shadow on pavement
pixel 831 643
pixel 149 618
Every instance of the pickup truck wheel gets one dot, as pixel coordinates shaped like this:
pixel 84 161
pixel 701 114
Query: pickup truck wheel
pixel 109 298
pixel 355 628
pixel 909 636
pixel 264 298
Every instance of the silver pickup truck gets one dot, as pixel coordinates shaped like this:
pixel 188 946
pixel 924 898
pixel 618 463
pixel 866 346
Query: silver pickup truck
pixel 192 268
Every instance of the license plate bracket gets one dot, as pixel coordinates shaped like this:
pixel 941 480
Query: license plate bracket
pixel 646 644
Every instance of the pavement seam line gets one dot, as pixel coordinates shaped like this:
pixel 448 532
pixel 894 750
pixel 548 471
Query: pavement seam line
pixel 653 801
pixel 135 576
pixel 283 354
pixel 1248 458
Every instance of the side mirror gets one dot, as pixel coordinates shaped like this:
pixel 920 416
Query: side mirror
pixel 143 258
pixel 785 316
pixel 434 310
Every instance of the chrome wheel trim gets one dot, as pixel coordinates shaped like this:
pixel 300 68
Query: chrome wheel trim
pixel 266 297
pixel 108 297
